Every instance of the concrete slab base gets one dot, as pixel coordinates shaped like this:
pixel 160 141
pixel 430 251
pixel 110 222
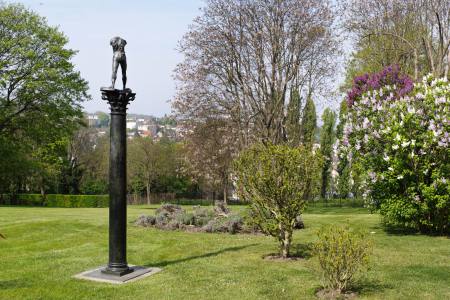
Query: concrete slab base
pixel 97 275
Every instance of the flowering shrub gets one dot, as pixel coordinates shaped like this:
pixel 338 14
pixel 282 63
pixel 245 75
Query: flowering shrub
pixel 390 76
pixel 403 143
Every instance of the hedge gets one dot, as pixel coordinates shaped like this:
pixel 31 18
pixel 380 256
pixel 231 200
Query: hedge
pixel 55 200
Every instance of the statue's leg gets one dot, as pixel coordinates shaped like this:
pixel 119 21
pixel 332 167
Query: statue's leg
pixel 115 66
pixel 123 66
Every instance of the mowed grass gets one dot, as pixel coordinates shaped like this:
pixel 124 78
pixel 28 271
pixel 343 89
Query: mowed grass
pixel 45 247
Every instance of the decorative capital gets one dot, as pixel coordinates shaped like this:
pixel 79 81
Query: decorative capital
pixel 117 99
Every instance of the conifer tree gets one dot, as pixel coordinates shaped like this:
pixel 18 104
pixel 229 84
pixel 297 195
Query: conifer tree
pixel 308 124
pixel 327 139
pixel 293 119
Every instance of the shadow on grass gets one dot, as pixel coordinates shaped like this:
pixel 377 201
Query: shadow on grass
pixel 12 284
pixel 369 286
pixel 211 254
pixel 302 250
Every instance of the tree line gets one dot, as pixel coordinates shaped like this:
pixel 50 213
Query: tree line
pixel 253 72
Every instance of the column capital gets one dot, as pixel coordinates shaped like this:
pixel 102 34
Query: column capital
pixel 117 99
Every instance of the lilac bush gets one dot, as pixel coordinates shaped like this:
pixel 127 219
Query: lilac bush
pixel 390 76
pixel 402 139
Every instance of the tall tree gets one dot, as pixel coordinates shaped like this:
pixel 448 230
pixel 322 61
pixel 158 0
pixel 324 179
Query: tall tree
pixel 210 151
pixel 327 140
pixel 412 33
pixel 293 119
pixel 40 92
pixel 243 57
pixel 308 124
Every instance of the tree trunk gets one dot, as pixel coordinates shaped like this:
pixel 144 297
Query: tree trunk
pixel 286 238
pixel 148 193
pixel 225 195
pixel 448 64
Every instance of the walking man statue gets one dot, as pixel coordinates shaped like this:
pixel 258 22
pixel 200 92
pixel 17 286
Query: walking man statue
pixel 119 58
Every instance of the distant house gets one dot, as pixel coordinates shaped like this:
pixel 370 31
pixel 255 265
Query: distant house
pixel 131 124
pixel 93 120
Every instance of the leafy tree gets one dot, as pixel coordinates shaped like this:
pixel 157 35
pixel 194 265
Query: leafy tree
pixel 327 140
pixel 308 124
pixel 412 33
pixel 275 179
pixel 40 92
pixel 155 165
pixel 37 78
pixel 103 118
pixel 210 148
pixel 93 158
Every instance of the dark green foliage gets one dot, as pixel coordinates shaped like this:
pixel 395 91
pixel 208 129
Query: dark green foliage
pixel 308 124
pixel 57 200
pixel 327 139
pixel 40 99
pixel 293 129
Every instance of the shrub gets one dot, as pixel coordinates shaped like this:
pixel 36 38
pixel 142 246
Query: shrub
pixel 202 216
pixel 403 144
pixel 341 255
pixel 389 76
pixel 29 199
pixel 234 224
pixel 58 200
pixel 145 221
pixel 172 217
pixel 276 180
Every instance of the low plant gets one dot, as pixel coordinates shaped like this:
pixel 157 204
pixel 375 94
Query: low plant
pixel 145 221
pixel 341 254
pixel 172 217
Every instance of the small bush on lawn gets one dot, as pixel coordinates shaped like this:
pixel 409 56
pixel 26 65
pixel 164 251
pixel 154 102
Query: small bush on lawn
pixel 341 255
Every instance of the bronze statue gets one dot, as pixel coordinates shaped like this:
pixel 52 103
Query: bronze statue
pixel 119 58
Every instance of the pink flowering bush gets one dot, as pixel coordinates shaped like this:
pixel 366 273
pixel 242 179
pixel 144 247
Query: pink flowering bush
pixel 389 76
pixel 403 143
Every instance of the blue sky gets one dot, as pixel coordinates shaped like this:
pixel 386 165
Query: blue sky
pixel 152 29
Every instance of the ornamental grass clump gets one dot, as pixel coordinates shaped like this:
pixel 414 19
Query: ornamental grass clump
pixel 341 254
pixel 277 180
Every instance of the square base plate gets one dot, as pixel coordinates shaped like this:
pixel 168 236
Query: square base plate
pixel 97 275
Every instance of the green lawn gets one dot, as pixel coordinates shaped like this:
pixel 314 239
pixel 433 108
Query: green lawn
pixel 45 247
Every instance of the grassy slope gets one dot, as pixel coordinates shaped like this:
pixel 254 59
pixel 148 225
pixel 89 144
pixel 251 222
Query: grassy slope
pixel 47 246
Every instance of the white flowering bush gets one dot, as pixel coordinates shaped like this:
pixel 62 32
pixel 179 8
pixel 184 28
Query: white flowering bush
pixel 403 143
